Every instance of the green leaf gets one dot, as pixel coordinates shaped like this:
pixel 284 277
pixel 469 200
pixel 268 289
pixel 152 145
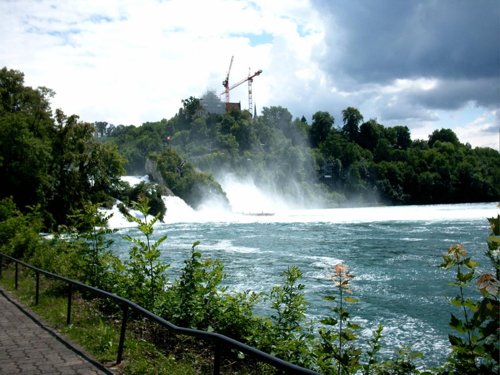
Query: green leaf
pixel 470 304
pixel 353 325
pixel 351 300
pixel 456 341
pixel 457 301
pixel 471 263
pixel 329 298
pixel 329 321
pixel 456 324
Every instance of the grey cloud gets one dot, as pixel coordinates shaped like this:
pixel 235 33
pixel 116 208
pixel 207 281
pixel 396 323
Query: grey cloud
pixel 371 44
pixel 382 40
pixel 404 112
pixel 418 104
pixel 456 94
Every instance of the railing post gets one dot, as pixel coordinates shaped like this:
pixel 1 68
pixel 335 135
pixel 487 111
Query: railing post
pixel 217 357
pixel 37 288
pixel 123 329
pixel 70 293
pixel 16 276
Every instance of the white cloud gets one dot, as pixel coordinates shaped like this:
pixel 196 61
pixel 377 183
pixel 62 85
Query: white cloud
pixel 482 131
pixel 128 61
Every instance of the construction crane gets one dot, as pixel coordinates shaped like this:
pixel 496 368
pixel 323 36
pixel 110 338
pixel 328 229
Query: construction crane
pixel 248 79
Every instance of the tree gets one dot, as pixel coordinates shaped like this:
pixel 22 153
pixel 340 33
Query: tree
pixel 277 117
pixel 53 161
pixel 84 169
pixel 403 137
pixel 443 135
pixel 320 127
pixel 370 133
pixel 145 272
pixel 212 104
pixel 26 129
pixel 100 127
pixel 190 108
pixel 352 118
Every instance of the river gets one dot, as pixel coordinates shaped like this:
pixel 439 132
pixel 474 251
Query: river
pixel 393 253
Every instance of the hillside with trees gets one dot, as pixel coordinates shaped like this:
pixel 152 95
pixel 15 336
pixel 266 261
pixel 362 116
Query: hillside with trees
pixel 356 162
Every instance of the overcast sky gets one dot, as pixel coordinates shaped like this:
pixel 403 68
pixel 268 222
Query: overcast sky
pixel 426 64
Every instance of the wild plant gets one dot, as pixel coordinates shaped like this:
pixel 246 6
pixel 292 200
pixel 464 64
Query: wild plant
pixel 145 277
pixel 337 352
pixel 475 346
pixel 287 335
pixel 95 256
pixel 195 291
pixel 199 300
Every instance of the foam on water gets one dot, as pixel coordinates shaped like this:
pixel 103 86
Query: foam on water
pixel 178 213
pixel 251 204
pixel 229 247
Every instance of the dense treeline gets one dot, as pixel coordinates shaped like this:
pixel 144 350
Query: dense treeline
pixel 57 162
pixel 360 161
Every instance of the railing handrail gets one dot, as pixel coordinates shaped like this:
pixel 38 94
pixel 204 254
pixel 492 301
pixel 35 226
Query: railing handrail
pixel 217 338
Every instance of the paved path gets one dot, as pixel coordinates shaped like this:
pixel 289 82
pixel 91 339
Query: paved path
pixel 28 346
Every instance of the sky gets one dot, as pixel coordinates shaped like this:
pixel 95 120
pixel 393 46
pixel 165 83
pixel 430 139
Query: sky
pixel 426 64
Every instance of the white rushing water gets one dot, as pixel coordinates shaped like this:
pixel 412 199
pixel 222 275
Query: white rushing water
pixel 250 204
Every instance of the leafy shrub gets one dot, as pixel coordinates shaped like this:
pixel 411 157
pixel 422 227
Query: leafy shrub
pixel 144 275
pixel 475 346
pixel 198 300
pixel 19 232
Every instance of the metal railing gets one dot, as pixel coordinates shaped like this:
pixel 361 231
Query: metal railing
pixel 219 341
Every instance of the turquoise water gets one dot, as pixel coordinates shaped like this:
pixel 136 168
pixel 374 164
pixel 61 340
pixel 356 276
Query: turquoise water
pixel 393 253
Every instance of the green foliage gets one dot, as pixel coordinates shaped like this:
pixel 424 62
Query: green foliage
pixel 96 257
pixel 443 135
pixel 366 162
pixel 50 160
pixel 352 118
pixel 289 303
pixel 403 363
pixel 320 127
pixel 184 181
pixel 475 346
pixel 145 278
pixel 19 233
pixel 371 359
pixel 153 194
pixel 198 300
pixel 337 352
pixel 193 293
pixel 288 335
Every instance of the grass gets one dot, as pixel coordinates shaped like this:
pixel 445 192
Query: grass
pixel 98 333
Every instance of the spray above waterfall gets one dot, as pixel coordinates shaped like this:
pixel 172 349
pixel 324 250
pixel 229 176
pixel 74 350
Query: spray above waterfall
pixel 250 203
